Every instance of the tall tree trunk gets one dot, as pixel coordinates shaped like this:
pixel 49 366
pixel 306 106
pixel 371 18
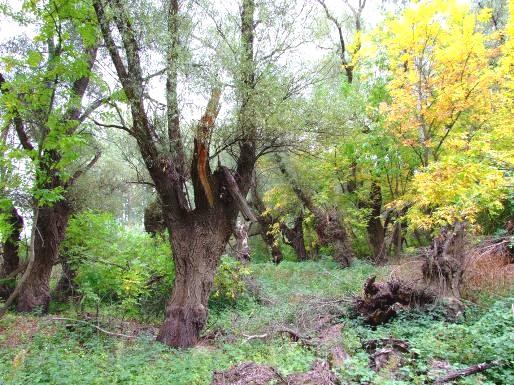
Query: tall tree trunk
pixel 10 248
pixel 50 231
pixel 197 247
pixel 375 228
pixel 294 237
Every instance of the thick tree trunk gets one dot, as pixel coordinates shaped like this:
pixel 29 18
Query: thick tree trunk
pixel 294 238
pixel 50 231
pixel 331 232
pixel 197 247
pixel 198 235
pixel 10 250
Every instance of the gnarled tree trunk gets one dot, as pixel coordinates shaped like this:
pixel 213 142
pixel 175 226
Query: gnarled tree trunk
pixel 266 226
pixel 197 247
pixel 198 234
pixel 242 247
pixel 10 250
pixel 50 231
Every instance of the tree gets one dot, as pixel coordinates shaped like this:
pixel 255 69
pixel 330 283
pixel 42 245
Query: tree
pixel 330 229
pixel 43 92
pixel 347 53
pixel 442 63
pixel 440 69
pixel 200 227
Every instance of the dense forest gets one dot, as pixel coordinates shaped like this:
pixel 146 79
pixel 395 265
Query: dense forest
pixel 256 192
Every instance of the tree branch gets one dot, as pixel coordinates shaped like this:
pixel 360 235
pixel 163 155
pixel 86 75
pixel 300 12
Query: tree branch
pixel 83 170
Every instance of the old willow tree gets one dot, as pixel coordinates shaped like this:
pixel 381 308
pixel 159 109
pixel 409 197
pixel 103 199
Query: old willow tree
pixel 200 226
pixel 43 92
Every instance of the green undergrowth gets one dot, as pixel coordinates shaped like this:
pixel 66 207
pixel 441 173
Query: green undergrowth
pixel 37 350
pixel 483 334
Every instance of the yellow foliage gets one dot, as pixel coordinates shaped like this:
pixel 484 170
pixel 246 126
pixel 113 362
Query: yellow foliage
pixel 455 189
pixel 452 102
pixel 441 73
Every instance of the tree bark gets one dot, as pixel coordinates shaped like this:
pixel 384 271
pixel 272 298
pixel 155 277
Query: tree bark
pixel 50 231
pixel 197 247
pixel 10 252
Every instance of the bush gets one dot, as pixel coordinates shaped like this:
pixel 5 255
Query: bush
pixel 118 265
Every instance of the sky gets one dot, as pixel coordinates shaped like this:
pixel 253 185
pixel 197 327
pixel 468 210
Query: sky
pixel 308 53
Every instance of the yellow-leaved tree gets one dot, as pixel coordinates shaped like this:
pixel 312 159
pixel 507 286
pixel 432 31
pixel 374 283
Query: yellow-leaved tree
pixel 451 104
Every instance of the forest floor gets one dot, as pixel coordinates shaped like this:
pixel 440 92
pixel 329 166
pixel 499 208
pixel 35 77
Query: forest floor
pixel 299 315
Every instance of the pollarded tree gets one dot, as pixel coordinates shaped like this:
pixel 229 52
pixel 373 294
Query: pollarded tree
pixel 200 227
pixel 43 92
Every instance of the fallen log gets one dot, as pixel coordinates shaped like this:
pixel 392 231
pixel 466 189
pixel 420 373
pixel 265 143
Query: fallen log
pixel 467 371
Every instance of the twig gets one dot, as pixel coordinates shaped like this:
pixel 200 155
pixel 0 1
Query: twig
pixel 295 336
pixel 92 325
pixel 467 371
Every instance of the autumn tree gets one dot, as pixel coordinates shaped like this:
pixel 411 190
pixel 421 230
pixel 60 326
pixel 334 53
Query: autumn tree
pixel 445 95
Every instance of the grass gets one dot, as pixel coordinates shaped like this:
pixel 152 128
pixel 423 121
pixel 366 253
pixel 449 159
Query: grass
pixel 35 350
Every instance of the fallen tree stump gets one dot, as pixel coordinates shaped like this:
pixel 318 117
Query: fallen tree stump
pixel 381 301
pixel 445 260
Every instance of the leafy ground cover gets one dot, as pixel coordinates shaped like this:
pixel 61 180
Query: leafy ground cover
pixel 41 350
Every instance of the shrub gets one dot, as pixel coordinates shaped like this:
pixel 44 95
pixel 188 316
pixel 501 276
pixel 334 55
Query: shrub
pixel 118 265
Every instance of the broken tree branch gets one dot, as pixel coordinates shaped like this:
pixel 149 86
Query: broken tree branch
pixel 467 371
pixel 93 326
